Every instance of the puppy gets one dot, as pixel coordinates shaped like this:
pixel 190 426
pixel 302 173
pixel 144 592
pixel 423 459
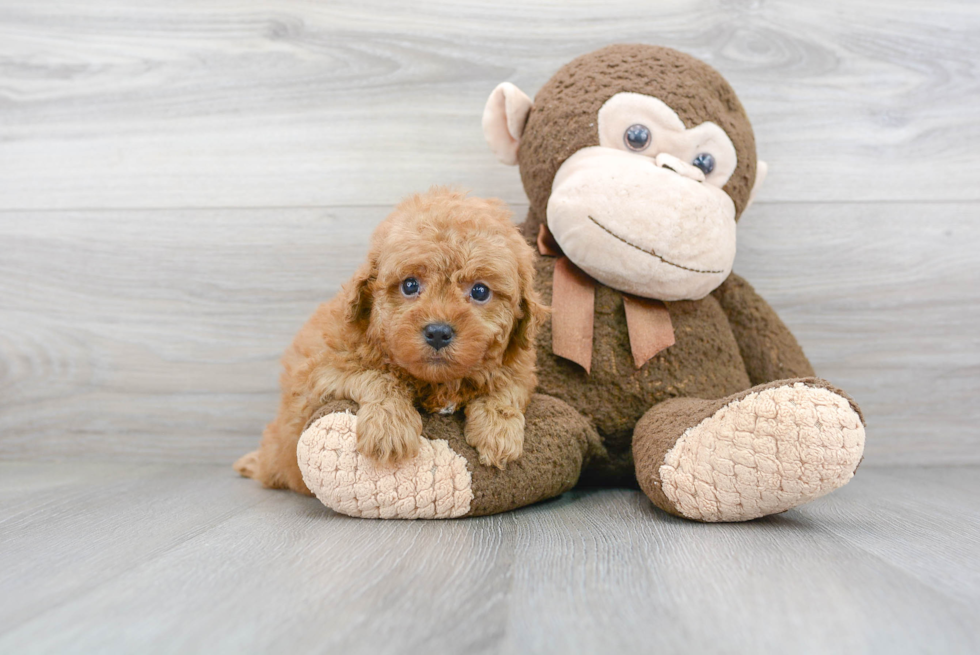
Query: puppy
pixel 442 315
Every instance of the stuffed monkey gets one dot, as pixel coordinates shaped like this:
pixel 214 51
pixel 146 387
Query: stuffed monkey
pixel 659 366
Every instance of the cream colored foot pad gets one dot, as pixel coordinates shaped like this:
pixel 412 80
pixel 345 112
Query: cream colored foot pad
pixel 765 453
pixel 434 485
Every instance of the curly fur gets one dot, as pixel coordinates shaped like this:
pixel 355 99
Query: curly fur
pixel 366 344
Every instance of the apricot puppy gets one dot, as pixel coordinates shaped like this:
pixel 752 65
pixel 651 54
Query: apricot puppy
pixel 441 316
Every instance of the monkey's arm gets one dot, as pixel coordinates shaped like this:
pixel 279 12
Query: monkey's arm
pixel 768 348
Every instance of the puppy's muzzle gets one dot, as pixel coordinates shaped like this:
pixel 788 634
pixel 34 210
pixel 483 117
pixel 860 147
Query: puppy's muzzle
pixel 438 335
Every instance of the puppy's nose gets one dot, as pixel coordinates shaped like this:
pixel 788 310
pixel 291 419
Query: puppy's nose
pixel 438 335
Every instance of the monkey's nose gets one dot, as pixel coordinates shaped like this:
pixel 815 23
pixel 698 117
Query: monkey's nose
pixel 438 335
pixel 668 161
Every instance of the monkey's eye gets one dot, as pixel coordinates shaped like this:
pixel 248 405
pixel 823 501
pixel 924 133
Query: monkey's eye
pixel 410 287
pixel 705 161
pixel 637 137
pixel 480 293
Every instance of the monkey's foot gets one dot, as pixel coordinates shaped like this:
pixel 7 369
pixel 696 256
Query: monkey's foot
pixel 760 452
pixel 434 485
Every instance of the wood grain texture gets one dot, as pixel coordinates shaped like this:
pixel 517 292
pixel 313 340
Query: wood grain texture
pixel 149 335
pixel 884 299
pixel 246 103
pixel 105 558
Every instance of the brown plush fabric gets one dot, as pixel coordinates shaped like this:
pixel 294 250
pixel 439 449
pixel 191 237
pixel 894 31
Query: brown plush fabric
pixel 768 348
pixel 563 118
pixel 330 407
pixel 704 362
pixel 558 442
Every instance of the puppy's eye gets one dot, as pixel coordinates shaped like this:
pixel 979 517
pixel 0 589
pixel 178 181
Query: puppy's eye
pixel 480 293
pixel 410 287
pixel 637 137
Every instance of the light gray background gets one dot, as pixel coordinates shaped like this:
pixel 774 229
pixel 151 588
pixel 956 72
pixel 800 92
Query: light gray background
pixel 182 182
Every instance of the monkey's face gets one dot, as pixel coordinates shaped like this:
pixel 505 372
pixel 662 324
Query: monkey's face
pixel 640 159
pixel 644 211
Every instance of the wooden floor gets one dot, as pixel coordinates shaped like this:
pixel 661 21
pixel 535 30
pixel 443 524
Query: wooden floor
pixel 156 558
pixel 182 182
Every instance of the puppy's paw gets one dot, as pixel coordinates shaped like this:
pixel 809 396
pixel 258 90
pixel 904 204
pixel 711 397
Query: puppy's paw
pixel 248 465
pixel 496 431
pixel 389 432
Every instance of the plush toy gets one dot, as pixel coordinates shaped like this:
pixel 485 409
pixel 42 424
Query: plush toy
pixel 659 366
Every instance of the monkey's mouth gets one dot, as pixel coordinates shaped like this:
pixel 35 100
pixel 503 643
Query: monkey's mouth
pixel 652 253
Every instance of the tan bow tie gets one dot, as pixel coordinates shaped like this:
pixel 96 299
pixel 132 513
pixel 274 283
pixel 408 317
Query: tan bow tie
pixel 573 312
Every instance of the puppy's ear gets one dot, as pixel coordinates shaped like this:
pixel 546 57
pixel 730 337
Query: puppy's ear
pixel 357 294
pixel 357 291
pixel 532 312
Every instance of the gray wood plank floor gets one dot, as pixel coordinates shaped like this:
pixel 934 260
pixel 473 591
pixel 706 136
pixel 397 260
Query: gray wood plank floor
pixel 155 558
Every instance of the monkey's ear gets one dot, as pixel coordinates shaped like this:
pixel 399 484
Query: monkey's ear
pixel 761 170
pixel 503 121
